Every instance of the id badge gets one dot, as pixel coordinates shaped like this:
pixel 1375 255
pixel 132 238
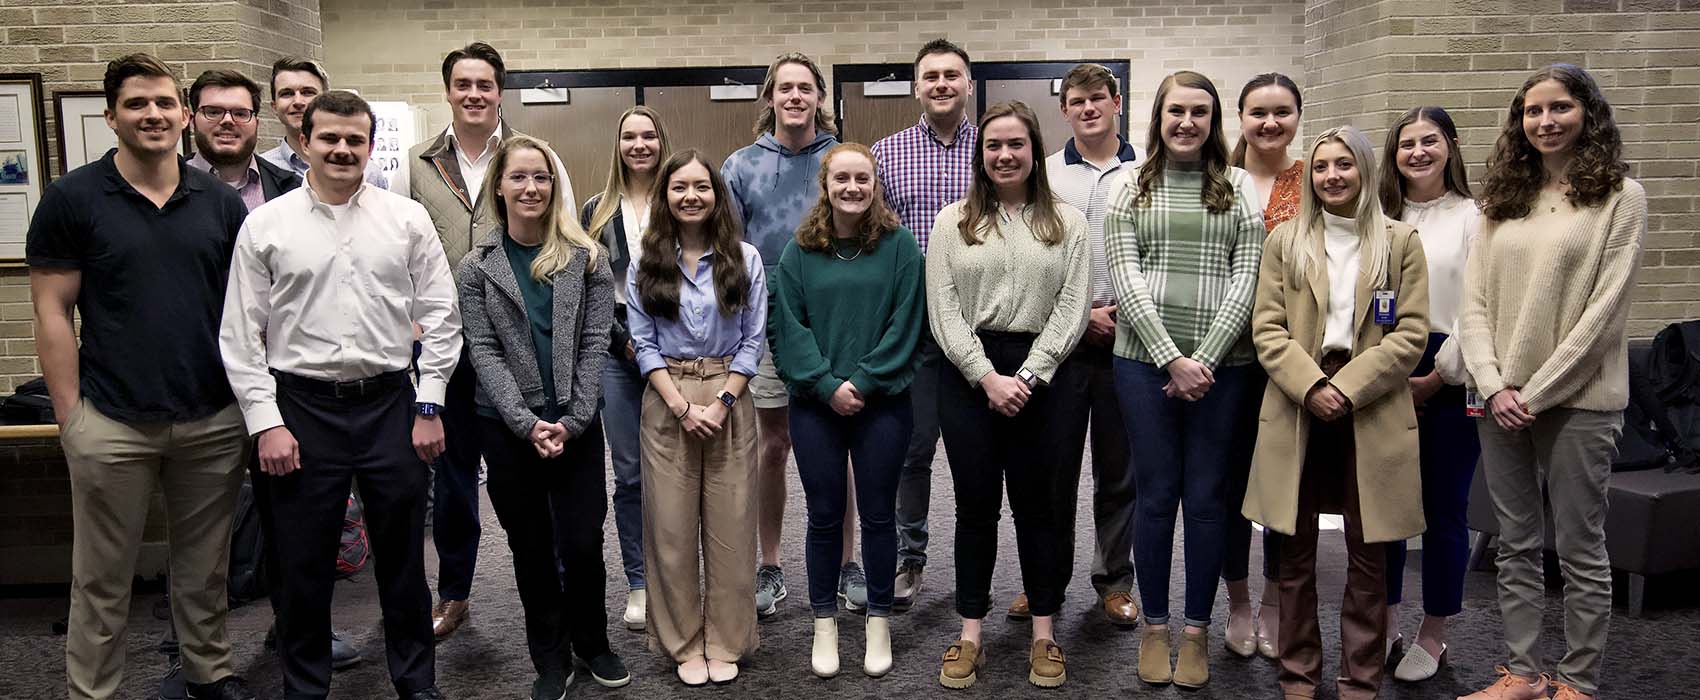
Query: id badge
pixel 1386 306
pixel 1474 407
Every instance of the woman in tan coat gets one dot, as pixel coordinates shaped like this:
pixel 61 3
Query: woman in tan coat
pixel 1340 321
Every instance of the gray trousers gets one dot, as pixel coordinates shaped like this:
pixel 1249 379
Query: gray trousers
pixel 1567 452
pixel 915 481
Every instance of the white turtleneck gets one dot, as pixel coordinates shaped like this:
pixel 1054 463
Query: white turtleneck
pixel 1446 226
pixel 1342 243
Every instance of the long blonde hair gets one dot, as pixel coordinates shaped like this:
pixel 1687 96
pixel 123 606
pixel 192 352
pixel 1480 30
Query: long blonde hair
pixel 561 233
pixel 1373 241
pixel 619 176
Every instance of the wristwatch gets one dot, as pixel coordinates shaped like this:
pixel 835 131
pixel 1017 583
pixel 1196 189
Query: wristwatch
pixel 1027 377
pixel 428 409
pixel 726 397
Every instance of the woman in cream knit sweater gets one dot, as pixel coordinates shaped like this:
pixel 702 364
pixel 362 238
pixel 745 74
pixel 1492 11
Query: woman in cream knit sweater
pixel 1546 293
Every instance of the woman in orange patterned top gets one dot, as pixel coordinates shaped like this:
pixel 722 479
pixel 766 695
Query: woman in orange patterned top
pixel 1269 118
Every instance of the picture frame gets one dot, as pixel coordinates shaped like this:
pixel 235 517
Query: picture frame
pixel 23 160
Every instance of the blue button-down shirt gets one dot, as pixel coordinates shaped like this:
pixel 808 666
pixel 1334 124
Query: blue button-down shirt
pixel 701 330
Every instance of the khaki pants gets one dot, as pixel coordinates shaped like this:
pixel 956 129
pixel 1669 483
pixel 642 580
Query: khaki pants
pixel 1567 452
pixel 699 493
pixel 114 467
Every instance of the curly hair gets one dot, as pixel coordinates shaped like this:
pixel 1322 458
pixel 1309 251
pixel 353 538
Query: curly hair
pixel 1218 193
pixel 1515 173
pixel 816 231
pixel 657 266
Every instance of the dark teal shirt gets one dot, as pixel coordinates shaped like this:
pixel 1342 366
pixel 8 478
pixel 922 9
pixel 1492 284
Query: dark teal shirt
pixel 540 311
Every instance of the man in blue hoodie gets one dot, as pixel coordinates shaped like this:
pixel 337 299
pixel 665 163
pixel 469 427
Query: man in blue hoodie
pixel 774 182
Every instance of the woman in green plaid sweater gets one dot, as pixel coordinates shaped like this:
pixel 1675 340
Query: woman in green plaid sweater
pixel 1184 237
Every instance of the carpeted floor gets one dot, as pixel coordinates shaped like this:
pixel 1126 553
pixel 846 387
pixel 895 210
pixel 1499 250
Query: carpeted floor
pixel 1654 657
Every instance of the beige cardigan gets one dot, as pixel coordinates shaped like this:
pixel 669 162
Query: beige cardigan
pixel 1545 300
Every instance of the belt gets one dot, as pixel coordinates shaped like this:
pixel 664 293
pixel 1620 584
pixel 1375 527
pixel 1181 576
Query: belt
pixel 700 366
pixel 351 389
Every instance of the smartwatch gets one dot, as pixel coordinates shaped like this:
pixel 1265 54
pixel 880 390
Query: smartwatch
pixel 1027 377
pixel 726 397
pixel 428 409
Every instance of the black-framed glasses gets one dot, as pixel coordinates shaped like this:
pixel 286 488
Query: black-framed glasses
pixel 539 179
pixel 216 114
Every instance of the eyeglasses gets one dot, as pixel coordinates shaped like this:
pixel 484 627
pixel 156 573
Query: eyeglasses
pixel 539 179
pixel 216 114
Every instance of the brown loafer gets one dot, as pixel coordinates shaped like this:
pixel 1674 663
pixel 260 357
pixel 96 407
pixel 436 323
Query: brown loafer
pixel 447 617
pixel 1047 668
pixel 1121 609
pixel 1018 609
pixel 962 663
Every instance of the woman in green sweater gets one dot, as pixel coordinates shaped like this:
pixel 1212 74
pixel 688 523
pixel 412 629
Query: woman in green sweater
pixel 845 319
pixel 1546 294
pixel 1184 239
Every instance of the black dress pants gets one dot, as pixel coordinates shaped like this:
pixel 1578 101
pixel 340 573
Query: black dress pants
pixel 553 511
pixel 364 436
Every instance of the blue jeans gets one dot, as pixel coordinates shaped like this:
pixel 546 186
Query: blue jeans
pixel 1236 558
pixel 1448 449
pixel 915 486
pixel 1186 452
pixel 875 440
pixel 622 399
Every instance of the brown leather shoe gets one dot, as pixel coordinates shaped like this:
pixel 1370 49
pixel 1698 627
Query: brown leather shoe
pixel 1121 609
pixel 1046 666
pixel 1018 609
pixel 961 666
pixel 447 617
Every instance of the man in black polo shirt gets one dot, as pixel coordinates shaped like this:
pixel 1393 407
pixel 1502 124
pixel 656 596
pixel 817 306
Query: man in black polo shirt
pixel 140 244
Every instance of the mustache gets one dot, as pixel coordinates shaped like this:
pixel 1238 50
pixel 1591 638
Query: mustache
pixel 339 159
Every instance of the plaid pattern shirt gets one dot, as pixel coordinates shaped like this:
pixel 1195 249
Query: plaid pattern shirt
pixel 921 175
pixel 1184 276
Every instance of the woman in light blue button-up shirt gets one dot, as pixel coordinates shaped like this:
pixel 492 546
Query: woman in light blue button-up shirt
pixel 697 308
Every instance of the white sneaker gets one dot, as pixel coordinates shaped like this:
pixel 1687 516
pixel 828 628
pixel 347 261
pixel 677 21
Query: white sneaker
pixel 824 660
pixel 1418 665
pixel 637 607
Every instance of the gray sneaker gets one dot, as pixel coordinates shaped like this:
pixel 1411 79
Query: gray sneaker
pixel 770 589
pixel 853 587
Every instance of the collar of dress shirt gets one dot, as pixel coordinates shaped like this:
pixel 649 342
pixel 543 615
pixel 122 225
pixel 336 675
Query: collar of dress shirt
pixel 319 204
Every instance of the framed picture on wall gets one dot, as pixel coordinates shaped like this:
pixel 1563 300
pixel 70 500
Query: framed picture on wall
pixel 23 159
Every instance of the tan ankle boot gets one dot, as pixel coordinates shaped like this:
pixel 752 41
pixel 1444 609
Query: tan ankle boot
pixel 1154 665
pixel 1192 668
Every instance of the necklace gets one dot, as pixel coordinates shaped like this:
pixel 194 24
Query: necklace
pixel 838 252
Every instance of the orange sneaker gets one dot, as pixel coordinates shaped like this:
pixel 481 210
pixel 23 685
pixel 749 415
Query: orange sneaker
pixel 1511 686
pixel 1565 692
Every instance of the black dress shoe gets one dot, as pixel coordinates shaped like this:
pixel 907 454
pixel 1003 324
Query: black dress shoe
pixel 430 693
pixel 226 688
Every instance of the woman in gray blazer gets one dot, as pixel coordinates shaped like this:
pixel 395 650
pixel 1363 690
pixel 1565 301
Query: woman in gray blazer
pixel 537 301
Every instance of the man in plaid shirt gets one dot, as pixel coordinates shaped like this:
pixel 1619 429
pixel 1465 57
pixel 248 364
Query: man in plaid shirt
pixel 923 168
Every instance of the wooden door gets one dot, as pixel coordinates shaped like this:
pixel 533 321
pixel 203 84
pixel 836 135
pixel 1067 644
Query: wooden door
pixel 868 119
pixel 717 128
pixel 581 131
pixel 1037 94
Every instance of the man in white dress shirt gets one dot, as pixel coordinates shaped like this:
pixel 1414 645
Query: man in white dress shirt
pixel 327 284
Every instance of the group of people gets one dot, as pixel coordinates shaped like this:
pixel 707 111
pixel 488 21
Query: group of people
pixel 1243 336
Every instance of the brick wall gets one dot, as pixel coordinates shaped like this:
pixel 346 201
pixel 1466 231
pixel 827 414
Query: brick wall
pixel 69 42
pixel 1367 62
pixel 1227 40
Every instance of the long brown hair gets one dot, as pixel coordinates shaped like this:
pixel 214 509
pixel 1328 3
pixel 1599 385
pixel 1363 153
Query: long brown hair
pixel 1515 173
pixel 1393 183
pixel 980 207
pixel 1237 159
pixel 1218 193
pixel 658 275
pixel 561 232
pixel 619 175
pixel 815 233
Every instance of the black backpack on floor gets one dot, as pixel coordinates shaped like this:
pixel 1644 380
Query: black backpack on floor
pixel 1661 425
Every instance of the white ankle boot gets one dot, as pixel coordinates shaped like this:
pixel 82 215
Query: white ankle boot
pixel 877 661
pixel 824 662
pixel 636 609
